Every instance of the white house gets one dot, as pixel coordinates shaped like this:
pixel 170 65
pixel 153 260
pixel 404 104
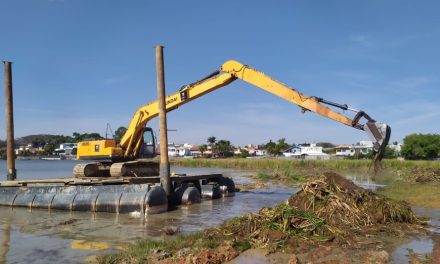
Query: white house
pixel 260 152
pixel 396 147
pixel 184 151
pixel 66 148
pixel 344 150
pixel 293 151
pixel 195 152
pixel 362 147
pixel 307 151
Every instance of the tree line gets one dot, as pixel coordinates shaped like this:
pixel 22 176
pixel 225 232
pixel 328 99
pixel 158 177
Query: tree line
pixel 48 143
pixel 421 146
pixel 415 146
pixel 224 148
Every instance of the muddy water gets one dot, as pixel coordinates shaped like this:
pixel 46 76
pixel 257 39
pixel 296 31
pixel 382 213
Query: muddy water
pixel 420 245
pixel 70 237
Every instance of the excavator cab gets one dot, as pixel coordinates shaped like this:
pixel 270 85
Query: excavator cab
pixel 148 147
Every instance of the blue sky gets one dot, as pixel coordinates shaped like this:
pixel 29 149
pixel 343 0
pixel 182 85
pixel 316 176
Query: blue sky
pixel 78 65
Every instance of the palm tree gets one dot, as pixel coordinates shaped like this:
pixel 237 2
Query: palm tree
pixel 211 141
pixel 224 147
pixel 119 133
pixel 203 148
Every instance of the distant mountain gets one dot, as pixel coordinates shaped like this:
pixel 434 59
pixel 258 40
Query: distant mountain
pixel 44 139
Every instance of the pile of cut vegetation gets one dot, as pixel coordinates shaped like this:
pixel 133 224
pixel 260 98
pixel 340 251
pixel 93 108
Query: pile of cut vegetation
pixel 345 205
pixel 422 175
pixel 325 208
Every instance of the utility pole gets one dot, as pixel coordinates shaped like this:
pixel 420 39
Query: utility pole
pixel 165 178
pixel 9 108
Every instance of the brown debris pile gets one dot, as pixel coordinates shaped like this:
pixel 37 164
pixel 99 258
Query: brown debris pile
pixel 423 175
pixel 345 205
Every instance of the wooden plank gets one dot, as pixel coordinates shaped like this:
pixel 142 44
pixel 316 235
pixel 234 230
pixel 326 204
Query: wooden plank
pixel 56 180
pixel 10 184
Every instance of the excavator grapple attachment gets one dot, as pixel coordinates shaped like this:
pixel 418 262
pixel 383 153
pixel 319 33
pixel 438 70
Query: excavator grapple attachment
pixel 380 134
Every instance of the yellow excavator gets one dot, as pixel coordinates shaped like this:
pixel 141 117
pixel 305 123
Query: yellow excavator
pixel 130 156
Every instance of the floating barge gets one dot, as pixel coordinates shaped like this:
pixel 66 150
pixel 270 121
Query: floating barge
pixel 94 190
pixel 110 194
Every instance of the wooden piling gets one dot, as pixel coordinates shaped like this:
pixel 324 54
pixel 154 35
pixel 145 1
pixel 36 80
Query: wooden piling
pixel 10 155
pixel 164 172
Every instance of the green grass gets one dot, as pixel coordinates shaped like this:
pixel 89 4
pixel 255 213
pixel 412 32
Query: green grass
pixel 283 164
pixel 263 176
pixel 420 195
pixel 294 171
pixel 143 249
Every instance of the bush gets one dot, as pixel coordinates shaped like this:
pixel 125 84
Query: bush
pixel 421 146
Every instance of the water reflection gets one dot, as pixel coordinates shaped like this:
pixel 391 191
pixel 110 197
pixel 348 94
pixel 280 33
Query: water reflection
pixel 41 236
pixel 4 247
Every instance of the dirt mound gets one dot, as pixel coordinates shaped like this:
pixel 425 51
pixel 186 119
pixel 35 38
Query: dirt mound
pixel 423 175
pixel 325 208
pixel 345 205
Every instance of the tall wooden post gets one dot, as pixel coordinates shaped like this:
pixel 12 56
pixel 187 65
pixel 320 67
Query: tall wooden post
pixel 164 161
pixel 10 155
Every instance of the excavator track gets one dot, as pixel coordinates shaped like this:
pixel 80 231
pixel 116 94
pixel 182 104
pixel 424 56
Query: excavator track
pixel 96 169
pixel 137 168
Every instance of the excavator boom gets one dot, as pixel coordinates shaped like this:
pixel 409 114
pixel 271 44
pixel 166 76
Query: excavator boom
pixel 229 72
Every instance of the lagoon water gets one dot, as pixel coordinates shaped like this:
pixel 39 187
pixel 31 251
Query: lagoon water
pixel 40 169
pixel 39 236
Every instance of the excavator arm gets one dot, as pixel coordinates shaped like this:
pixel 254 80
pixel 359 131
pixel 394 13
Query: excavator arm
pixel 149 111
pixel 229 72
pixel 131 144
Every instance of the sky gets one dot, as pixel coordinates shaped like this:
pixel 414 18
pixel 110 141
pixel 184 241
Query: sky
pixel 80 64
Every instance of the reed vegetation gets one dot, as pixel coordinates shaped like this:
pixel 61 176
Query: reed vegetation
pixel 271 163
pixel 299 170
